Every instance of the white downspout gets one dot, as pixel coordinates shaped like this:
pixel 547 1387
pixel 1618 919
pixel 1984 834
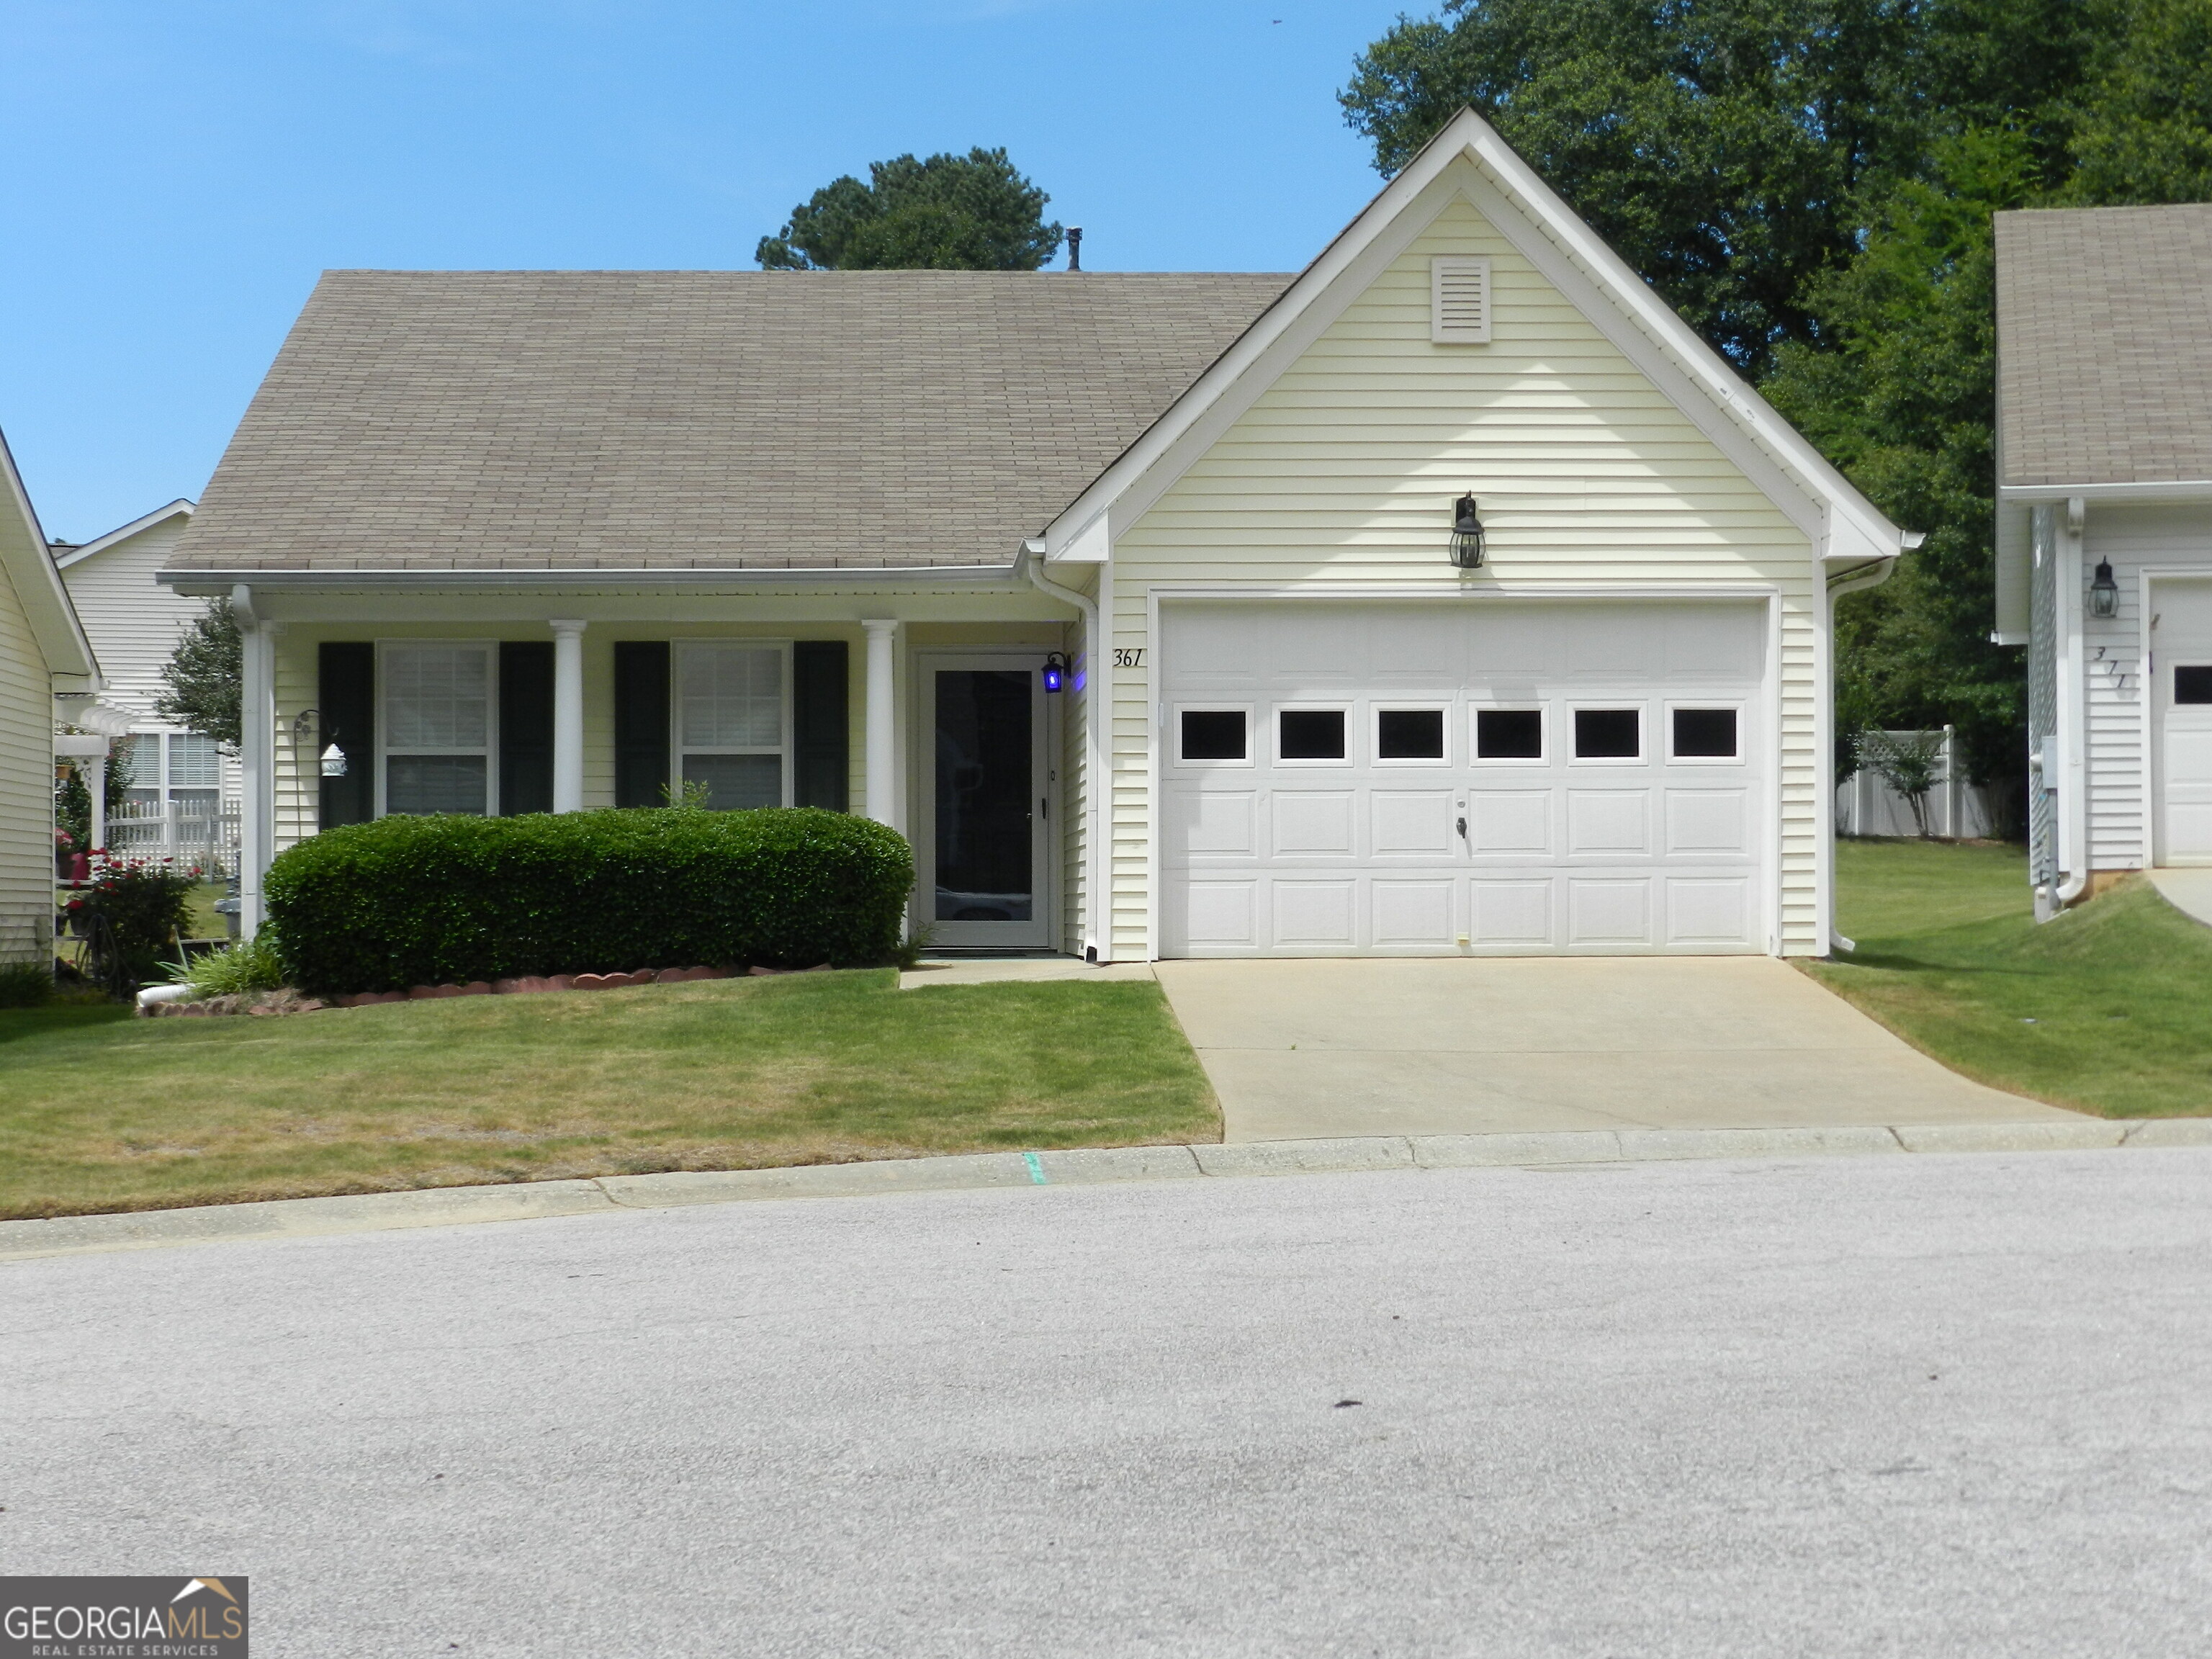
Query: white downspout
pixel 1095 786
pixel 2072 701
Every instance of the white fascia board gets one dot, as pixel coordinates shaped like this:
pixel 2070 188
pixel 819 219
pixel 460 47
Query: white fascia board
pixel 1843 524
pixel 31 571
pixel 77 556
pixel 2178 489
pixel 220 583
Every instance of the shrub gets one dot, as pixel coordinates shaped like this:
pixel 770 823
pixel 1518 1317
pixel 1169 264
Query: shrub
pixel 412 901
pixel 133 907
pixel 26 985
pixel 251 964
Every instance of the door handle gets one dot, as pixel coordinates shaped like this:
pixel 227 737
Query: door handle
pixel 1462 829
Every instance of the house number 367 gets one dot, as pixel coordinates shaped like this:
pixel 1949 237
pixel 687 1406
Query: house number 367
pixel 1129 658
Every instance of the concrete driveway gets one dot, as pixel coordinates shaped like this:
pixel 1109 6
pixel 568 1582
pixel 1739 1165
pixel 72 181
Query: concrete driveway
pixel 1312 1048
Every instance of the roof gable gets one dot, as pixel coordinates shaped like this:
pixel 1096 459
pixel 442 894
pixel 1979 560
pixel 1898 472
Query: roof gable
pixel 1467 161
pixel 68 558
pixel 30 569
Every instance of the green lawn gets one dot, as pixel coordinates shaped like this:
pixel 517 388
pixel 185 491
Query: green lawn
pixel 2107 1009
pixel 101 1112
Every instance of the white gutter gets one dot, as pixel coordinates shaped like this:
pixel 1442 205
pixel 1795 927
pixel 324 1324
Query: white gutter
pixel 217 583
pixel 2175 490
pixel 1096 788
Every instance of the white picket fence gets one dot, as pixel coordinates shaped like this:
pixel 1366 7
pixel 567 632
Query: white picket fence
pixel 1955 809
pixel 152 830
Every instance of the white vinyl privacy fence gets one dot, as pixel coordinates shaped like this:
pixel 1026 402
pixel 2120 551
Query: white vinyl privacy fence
pixel 1954 809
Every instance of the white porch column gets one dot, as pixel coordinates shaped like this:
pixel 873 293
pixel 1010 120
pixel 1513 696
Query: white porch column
pixel 882 749
pixel 95 782
pixel 257 755
pixel 567 716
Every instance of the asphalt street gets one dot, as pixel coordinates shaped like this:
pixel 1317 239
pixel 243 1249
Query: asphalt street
pixel 1898 1406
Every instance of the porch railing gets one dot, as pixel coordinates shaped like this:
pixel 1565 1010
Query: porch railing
pixel 147 830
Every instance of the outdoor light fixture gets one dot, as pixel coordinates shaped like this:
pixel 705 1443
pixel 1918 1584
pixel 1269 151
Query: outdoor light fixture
pixel 2104 591
pixel 334 762
pixel 1055 671
pixel 1466 535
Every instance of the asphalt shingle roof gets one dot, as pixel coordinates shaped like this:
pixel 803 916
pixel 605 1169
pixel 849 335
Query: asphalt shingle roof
pixel 2104 344
pixel 535 420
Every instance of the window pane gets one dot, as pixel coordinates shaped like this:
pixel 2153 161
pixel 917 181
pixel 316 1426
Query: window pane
pixel 437 696
pixel 435 783
pixel 141 757
pixel 732 696
pixel 1509 734
pixel 1213 734
pixel 2192 684
pixel 1705 734
pixel 735 782
pixel 193 762
pixel 1607 734
pixel 1409 734
pixel 1311 733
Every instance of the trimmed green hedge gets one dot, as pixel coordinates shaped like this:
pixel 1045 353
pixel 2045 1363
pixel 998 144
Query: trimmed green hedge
pixel 425 901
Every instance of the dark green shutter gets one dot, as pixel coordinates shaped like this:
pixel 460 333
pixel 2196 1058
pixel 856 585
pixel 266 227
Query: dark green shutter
pixel 642 762
pixel 526 727
pixel 345 696
pixel 820 728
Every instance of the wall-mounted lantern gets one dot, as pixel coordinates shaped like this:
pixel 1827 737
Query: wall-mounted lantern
pixel 1055 673
pixel 1466 535
pixel 2104 591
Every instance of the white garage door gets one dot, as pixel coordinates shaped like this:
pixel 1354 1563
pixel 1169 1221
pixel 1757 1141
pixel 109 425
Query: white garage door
pixel 1499 777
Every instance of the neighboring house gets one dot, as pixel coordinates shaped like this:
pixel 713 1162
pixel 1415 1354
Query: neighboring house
pixel 44 654
pixel 2105 532
pixel 518 541
pixel 134 623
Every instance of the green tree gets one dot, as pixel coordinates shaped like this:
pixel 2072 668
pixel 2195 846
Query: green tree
pixel 971 212
pixel 204 681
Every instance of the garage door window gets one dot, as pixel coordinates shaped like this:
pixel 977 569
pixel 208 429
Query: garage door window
pixel 2192 684
pixel 1310 734
pixel 1408 735
pixel 1509 734
pixel 1703 734
pixel 1612 734
pixel 1219 736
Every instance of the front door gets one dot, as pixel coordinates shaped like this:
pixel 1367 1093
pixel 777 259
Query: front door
pixel 984 846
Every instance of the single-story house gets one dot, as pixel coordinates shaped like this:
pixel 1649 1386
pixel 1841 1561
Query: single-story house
pixel 1449 597
pixel 2105 532
pixel 182 782
pixel 44 656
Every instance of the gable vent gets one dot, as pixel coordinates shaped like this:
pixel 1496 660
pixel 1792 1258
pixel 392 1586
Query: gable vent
pixel 1458 302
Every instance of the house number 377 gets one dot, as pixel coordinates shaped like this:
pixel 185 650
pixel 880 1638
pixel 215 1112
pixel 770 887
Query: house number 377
pixel 1129 658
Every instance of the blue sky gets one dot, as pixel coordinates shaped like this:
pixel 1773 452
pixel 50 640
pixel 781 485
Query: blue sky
pixel 178 171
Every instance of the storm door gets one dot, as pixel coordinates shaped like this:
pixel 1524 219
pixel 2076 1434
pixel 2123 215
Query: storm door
pixel 985 865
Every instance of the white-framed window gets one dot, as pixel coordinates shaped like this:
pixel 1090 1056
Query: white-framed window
pixel 1509 734
pixel 732 722
pixel 1213 734
pixel 1705 734
pixel 1412 734
pixel 1312 734
pixel 1606 734
pixel 437 713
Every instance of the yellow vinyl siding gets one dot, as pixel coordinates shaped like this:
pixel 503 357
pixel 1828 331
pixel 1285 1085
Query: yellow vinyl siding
pixel 1343 471
pixel 26 787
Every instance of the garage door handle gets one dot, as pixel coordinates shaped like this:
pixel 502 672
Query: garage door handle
pixel 1462 829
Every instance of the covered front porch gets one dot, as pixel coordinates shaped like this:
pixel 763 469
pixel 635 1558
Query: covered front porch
pixel 951 707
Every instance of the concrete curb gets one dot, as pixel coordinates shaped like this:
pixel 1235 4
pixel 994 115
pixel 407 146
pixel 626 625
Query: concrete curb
pixel 449 1206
